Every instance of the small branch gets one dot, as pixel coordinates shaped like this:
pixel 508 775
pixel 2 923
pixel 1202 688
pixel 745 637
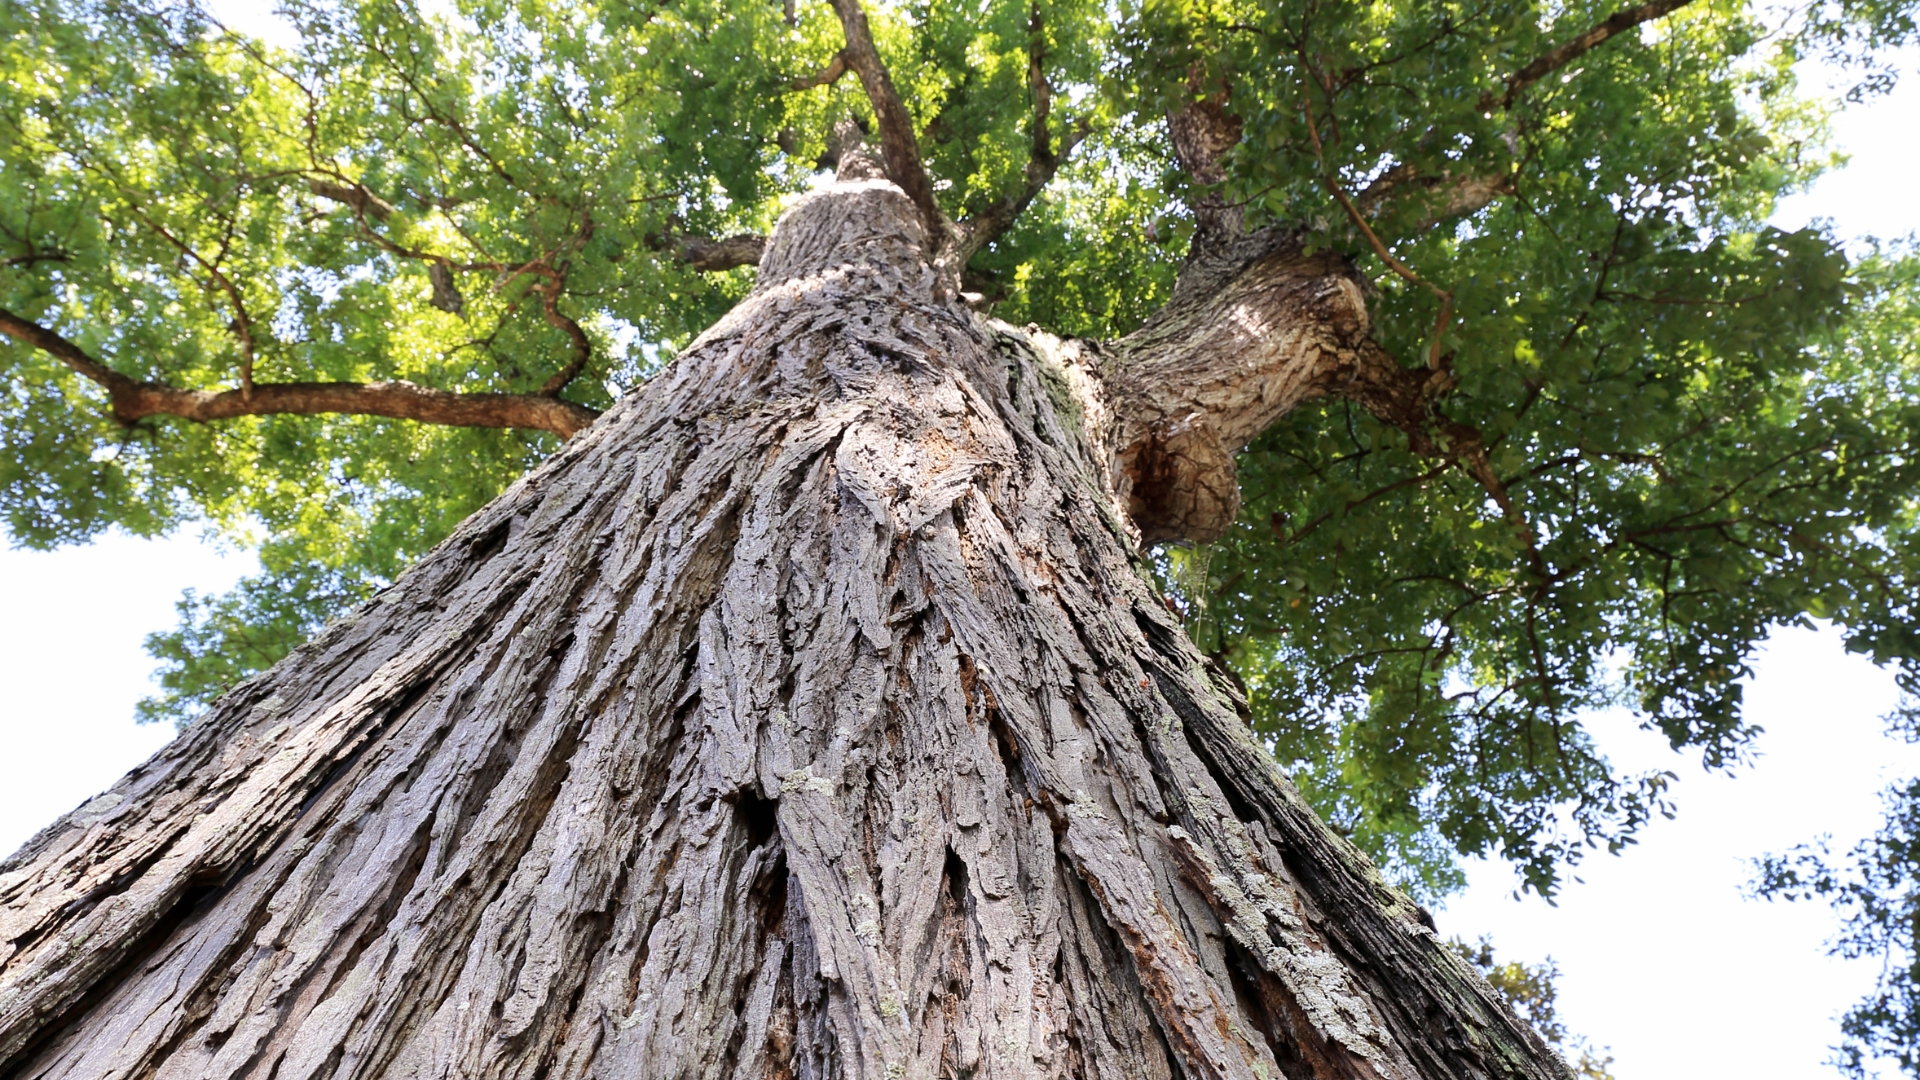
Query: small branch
pixel 1445 197
pixel 1617 23
pixel 242 324
pixel 898 145
pixel 354 195
pixel 1472 455
pixel 31 333
pixel 1435 359
pixel 576 337
pixel 34 257
pixel 826 76
pixel 1043 161
pixel 133 400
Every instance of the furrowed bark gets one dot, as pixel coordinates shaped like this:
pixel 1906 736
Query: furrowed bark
pixel 809 715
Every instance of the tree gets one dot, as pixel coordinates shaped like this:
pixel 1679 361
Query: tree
pixel 810 710
pixel 1529 989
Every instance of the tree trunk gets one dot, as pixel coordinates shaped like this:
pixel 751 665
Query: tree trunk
pixel 808 715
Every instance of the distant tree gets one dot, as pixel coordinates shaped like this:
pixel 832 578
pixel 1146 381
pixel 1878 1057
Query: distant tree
pixel 1531 991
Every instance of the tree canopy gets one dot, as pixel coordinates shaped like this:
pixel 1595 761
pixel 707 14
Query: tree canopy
pixel 331 298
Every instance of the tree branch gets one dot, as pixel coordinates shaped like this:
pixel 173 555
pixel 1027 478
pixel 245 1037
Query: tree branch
pixel 1043 161
pixel 1435 358
pixel 826 76
pixel 1444 197
pixel 133 400
pixel 1203 133
pixel 576 338
pixel 898 145
pixel 1617 23
pixel 354 195
pixel 242 323
pixel 708 255
pixel 1453 196
pixel 1405 398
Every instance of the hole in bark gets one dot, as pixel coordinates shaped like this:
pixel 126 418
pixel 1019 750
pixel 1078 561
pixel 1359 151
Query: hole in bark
pixel 758 815
pixel 954 874
pixel 1009 749
pixel 489 543
pixel 1256 992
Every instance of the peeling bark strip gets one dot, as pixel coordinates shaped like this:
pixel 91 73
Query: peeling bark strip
pixel 806 716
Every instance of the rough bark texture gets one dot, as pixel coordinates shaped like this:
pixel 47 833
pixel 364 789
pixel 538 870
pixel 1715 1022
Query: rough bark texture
pixel 808 715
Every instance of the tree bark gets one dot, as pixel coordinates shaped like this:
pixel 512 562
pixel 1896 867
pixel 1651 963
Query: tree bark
pixel 807 715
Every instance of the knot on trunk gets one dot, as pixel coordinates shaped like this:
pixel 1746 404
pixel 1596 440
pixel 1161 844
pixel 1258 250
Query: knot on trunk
pixel 1183 483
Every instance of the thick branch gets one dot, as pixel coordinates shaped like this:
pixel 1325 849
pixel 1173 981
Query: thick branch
pixel 1252 332
pixel 1617 23
pixel 354 195
pixel 1254 328
pixel 898 145
pixel 708 255
pixel 1203 133
pixel 133 400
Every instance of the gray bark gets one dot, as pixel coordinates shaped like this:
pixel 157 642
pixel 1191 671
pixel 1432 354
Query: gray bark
pixel 808 715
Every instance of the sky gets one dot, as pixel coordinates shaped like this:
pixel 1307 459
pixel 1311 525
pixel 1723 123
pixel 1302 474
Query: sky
pixel 1663 960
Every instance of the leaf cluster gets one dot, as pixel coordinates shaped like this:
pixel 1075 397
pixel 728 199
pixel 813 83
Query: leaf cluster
pixel 1875 888
pixel 1531 991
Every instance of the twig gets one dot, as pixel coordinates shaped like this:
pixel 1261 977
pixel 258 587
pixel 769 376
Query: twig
pixel 1434 357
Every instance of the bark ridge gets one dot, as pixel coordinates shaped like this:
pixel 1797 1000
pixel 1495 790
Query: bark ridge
pixel 808 715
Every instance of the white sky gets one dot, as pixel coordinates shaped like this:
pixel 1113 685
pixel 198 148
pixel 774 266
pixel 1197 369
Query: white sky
pixel 1662 958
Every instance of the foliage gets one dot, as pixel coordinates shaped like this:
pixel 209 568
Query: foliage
pixel 222 640
pixel 1704 424
pixel 1876 890
pixel 1530 991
